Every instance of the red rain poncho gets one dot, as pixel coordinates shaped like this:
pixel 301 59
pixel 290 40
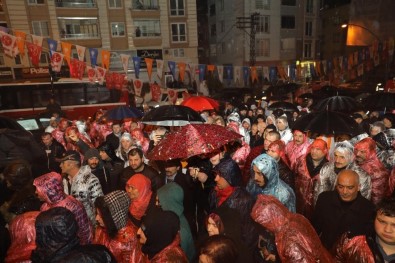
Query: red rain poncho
pixel 295 238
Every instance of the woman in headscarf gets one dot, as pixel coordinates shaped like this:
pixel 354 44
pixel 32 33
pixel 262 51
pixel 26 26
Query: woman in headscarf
pixel 171 198
pixel 114 230
pixel 57 240
pixel 142 199
pixel 160 238
pixel 126 143
pixel 23 236
pixel 226 221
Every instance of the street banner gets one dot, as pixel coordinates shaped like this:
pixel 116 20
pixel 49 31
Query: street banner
pixel 80 52
pixel 93 53
pixel 181 68
pixel 254 74
pixel 202 71
pixel 125 62
pixel 91 74
pixel 159 68
pixel 77 68
pixel 9 43
pixel 66 50
pixel 34 53
pixel 53 46
pixel 105 59
pixel 246 74
pixel 137 66
pixel 220 70
pixel 149 62
pixel 100 74
pixel 56 61
pixel 172 67
pixel 138 85
pixel 20 41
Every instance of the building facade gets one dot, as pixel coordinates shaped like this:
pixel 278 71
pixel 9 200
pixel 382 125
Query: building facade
pixel 286 31
pixel 146 28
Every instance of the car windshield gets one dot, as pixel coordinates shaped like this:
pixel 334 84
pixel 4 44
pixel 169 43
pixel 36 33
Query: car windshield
pixel 29 124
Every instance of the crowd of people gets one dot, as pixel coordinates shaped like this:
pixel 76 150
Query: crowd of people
pixel 276 195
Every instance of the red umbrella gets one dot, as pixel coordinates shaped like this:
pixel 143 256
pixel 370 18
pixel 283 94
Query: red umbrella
pixel 200 103
pixel 191 140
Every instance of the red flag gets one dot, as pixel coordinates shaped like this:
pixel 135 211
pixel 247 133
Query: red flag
pixel 138 84
pixel 91 74
pixel 9 44
pixel 77 68
pixel 56 61
pixel 109 81
pixel 34 52
pixel 156 92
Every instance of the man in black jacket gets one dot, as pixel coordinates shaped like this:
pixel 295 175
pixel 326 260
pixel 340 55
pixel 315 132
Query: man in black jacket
pixel 137 165
pixel 53 151
pixel 342 210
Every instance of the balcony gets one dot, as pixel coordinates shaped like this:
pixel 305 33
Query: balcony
pixel 145 5
pixel 76 4
pixel 79 36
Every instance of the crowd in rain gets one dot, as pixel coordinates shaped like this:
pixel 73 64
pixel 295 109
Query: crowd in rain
pixel 276 194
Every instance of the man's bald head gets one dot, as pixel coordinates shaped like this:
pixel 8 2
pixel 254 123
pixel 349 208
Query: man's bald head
pixel 347 185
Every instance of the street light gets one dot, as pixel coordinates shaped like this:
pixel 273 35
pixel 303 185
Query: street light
pixel 345 25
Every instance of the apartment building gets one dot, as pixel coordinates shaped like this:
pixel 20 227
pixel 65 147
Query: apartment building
pixel 286 31
pixel 159 29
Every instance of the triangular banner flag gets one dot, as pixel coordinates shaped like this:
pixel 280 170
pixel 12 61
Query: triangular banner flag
pixel 53 46
pixel 125 62
pixel 9 43
pixel 254 74
pixel 80 52
pixel 237 74
pixel 100 74
pixel 34 52
pixel 181 68
pixel 56 61
pixel 91 74
pixel 220 70
pixel 105 59
pixel 93 52
pixel 77 68
pixel 138 85
pixel 137 65
pixel 149 62
pixel 37 40
pixel 66 50
pixel 159 68
pixel 202 71
pixel 20 41
pixel 246 74
pixel 172 67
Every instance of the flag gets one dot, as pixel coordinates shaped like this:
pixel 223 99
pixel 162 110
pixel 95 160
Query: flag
pixel 118 80
pixel 137 65
pixel 246 74
pixel 66 50
pixel 265 71
pixel 254 74
pixel 149 62
pixel 125 62
pixel 172 96
pixel 228 70
pixel 37 40
pixel 91 74
pixel 192 70
pixel 220 70
pixel 156 92
pixel 105 59
pixel 34 52
pixel 9 43
pixel 202 71
pixel 138 85
pixel 273 74
pixel 100 74
pixel 172 67
pixel 77 68
pixel 181 68
pixel 93 52
pixel 53 46
pixel 159 68
pixel 20 41
pixel 56 61
pixel 109 80
pixel 80 52
pixel 211 68
pixel 237 70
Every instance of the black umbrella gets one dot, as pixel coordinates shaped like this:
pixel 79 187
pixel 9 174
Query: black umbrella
pixel 123 112
pixel 337 103
pixel 282 89
pixel 172 115
pixel 327 123
pixel 381 101
pixel 286 106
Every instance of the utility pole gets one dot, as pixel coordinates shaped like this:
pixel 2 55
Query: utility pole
pixel 251 23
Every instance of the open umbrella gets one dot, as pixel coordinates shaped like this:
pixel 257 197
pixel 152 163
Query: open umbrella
pixel 381 101
pixel 200 103
pixel 337 103
pixel 122 112
pixel 286 106
pixel 172 115
pixel 191 140
pixel 327 123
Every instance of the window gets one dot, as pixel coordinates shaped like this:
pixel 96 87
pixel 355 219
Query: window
pixel 262 47
pixel 118 29
pixel 35 2
pixel 40 28
pixel 76 4
pixel 44 59
pixel 178 32
pixel 18 60
pixel 262 4
pixel 288 2
pixel 307 50
pixel 222 26
pixel 308 31
pixel 309 6
pixel 177 7
pixel 222 5
pixel 212 10
pixel 81 28
pixel 288 22
pixel 148 28
pixel 2 61
pixel 178 52
pixel 115 3
pixel 213 50
pixel 263 24
pixel 145 4
pixel 213 30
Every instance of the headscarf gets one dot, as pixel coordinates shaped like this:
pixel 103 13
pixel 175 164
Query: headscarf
pixel 138 207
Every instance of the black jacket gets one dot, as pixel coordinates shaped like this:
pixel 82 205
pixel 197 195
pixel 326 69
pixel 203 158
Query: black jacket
pixel 156 180
pixel 333 217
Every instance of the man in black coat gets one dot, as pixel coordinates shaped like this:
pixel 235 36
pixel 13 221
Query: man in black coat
pixel 342 210
pixel 113 138
pixel 53 152
pixel 173 173
pixel 137 166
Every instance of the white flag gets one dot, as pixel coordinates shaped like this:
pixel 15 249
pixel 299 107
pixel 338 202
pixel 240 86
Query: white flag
pixel 80 52
pixel 9 44
pixel 56 61
pixel 220 73
pixel 125 62
pixel 159 68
